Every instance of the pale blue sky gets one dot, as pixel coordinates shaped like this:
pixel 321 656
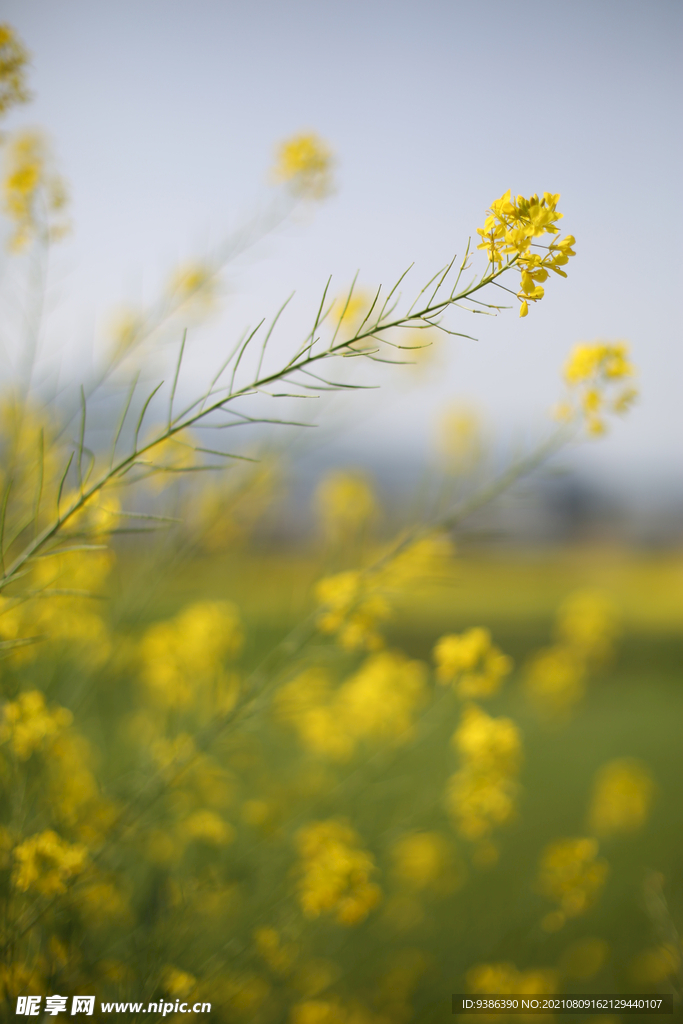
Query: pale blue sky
pixel 165 114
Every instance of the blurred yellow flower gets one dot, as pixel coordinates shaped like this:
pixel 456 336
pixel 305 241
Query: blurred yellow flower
pixel 335 873
pixel 46 862
pixel 186 655
pixel 33 196
pixel 13 62
pixel 460 438
pixel 28 725
pixel 587 622
pixel 346 502
pixel 555 679
pixel 193 282
pixel 482 794
pixel 177 983
pixel 279 956
pixel 424 860
pixel 505 979
pixel 471 663
pixel 593 372
pixel 572 874
pixel 351 611
pixel 207 826
pixel 304 162
pixel 622 796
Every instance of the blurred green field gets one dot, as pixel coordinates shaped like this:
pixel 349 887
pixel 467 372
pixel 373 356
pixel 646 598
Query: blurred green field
pixel 634 708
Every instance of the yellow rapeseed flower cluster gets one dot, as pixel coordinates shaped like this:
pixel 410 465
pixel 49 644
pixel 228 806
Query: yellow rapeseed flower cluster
pixel 622 797
pixel 13 62
pixel 62 608
pixel 471 663
pixel 29 727
pixel 508 236
pixel 45 863
pixel 304 162
pixel 335 873
pixel 481 795
pixel 33 196
pixel 185 657
pixel 597 376
pixel 28 724
pixel 572 875
pixel 351 611
pixel 378 701
pixel 556 676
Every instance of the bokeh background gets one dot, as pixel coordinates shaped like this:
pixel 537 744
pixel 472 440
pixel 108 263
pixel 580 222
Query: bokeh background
pixel 165 117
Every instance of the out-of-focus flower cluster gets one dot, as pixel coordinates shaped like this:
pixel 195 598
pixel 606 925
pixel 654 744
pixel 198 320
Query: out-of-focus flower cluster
pixel 622 797
pixel 572 875
pixel 505 979
pixel 183 659
pixel 482 794
pixel 597 375
pixel 34 197
pixel 335 873
pixel 378 701
pixel 586 628
pixel 471 663
pixel 13 62
pixel 304 163
pixel 508 237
